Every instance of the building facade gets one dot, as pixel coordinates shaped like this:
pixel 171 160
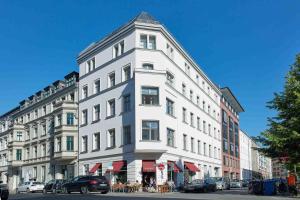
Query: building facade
pixel 42 134
pixel 278 168
pixel 245 155
pixel 230 109
pixel 146 109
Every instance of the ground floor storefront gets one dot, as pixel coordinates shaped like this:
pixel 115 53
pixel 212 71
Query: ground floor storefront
pixel 149 169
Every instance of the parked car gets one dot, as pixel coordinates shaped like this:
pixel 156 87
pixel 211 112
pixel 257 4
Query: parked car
pixel 245 183
pixel 200 185
pixel 3 191
pixel 53 186
pixel 235 183
pixel 86 184
pixel 222 183
pixel 58 187
pixel 30 186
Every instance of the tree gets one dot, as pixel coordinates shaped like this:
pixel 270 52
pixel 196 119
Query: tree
pixel 282 138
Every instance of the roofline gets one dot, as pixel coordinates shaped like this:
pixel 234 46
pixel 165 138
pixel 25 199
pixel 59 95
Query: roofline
pixel 233 97
pixel 134 25
pixel 9 112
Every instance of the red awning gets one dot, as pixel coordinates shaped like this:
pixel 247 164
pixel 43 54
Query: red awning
pixel 117 165
pixel 149 166
pixel 191 167
pixel 96 166
pixel 175 167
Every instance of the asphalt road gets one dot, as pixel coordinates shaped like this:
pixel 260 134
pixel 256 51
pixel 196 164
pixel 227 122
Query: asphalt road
pixel 220 195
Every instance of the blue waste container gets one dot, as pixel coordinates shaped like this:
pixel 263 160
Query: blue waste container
pixel 269 187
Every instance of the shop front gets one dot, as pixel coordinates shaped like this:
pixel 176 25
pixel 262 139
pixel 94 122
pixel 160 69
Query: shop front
pixel 148 173
pixel 190 170
pixel 96 169
pixel 117 172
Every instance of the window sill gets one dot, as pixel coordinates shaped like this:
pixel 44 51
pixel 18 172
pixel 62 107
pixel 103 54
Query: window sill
pixel 171 116
pixel 95 121
pixel 185 150
pixel 95 150
pixel 82 125
pixel 83 152
pixel 111 116
pixel 108 148
pixel 174 147
pixel 185 122
pixel 150 105
pixel 150 140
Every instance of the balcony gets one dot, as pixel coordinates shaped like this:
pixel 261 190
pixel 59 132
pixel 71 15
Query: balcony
pixel 15 143
pixel 15 163
pixel 65 128
pixel 65 155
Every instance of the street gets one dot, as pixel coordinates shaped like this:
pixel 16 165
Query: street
pixel 224 195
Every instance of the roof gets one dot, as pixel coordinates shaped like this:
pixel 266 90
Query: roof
pixel 229 96
pixel 143 17
pixel 9 112
pixel 70 75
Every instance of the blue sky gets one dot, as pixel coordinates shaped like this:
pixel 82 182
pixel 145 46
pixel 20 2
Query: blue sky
pixel 246 45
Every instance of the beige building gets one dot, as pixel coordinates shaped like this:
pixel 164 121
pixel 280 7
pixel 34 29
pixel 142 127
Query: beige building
pixel 40 136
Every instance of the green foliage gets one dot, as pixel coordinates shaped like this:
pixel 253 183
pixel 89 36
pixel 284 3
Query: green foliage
pixel 282 138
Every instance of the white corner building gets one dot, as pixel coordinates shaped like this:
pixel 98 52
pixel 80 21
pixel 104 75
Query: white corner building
pixel 146 109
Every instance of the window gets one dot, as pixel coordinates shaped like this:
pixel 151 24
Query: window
pixel 126 103
pixel 70 118
pixel 170 137
pixel 150 130
pixel 90 65
pixel 84 92
pixel 191 95
pixel 198 123
pixel 197 79
pixel 43 173
pixel 204 127
pixel 209 151
pixel 19 154
pixel 183 89
pixel 84 144
pixel 35 150
pixel 84 117
pixel 170 107
pixel 19 136
pixel 199 146
pixel 143 41
pixel 192 145
pixel 35 131
pixel 208 109
pixel 44 129
pixel 126 135
pixel 111 139
pixel 198 101
pixel 184 142
pixel 215 152
pixel 111 79
pixel 150 96
pixel 152 42
pixel 170 78
pixel 187 69
pixel 209 129
pixel 96 112
pixel 44 110
pixel 58 144
pixel 58 118
pixel 170 51
pixel 148 66
pixel 34 172
pixel 126 73
pixel 203 105
pixel 111 108
pixel 97 86
pixel 44 151
pixel 36 114
pixel 96 141
pixel 70 143
pixel 192 119
pixel 27 153
pixel 118 49
pixel 204 149
pixel 184 114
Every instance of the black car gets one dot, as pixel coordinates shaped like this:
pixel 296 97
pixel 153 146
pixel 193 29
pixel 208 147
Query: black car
pixel 4 191
pixel 86 184
pixel 53 186
pixel 200 185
